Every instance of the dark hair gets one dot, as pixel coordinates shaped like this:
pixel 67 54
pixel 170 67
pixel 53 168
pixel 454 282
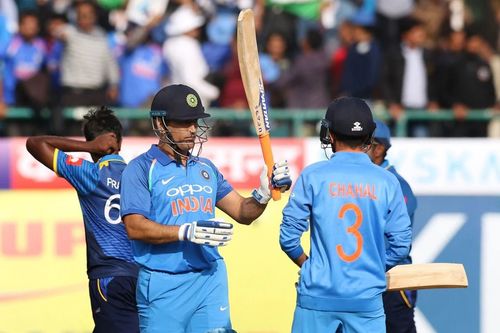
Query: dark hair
pixel 408 23
pixel 90 3
pixel 58 16
pixel 314 38
pixel 28 13
pixel 473 30
pixel 99 121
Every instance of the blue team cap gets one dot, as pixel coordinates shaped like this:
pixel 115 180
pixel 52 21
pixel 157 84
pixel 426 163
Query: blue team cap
pixel 382 134
pixel 350 116
pixel 178 102
pixel 363 18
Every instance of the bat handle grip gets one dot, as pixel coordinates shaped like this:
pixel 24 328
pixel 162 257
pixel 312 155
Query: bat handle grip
pixel 265 145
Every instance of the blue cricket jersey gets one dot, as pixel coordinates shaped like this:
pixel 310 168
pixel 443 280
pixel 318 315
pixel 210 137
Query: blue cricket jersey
pixel 22 61
pixel 352 205
pixel 142 70
pixel 410 199
pixel 109 250
pixel 162 190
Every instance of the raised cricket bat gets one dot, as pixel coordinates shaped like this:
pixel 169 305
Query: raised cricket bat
pixel 248 58
pixel 426 276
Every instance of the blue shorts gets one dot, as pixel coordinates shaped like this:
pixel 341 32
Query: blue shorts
pixel 113 304
pixel 186 302
pixel 399 311
pixel 307 321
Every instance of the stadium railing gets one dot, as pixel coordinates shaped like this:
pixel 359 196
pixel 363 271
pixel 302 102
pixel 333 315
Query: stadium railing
pixel 287 122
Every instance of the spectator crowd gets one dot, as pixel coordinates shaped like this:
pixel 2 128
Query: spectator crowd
pixel 405 54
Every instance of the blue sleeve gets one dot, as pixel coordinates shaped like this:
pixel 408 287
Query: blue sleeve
pixel 296 216
pixel 410 199
pixel 398 227
pixel 81 174
pixel 5 36
pixel 135 197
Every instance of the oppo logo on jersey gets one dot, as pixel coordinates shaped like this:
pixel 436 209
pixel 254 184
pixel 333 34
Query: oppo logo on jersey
pixel 188 189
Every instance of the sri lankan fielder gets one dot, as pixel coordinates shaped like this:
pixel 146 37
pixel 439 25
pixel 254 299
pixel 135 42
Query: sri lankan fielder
pixel 111 269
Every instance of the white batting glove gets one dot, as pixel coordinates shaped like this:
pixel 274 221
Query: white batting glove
pixel 206 232
pixel 280 179
pixel 281 176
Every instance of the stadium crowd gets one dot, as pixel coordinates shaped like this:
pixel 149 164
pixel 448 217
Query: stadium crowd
pixel 404 54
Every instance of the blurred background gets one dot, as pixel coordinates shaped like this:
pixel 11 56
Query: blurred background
pixel 429 68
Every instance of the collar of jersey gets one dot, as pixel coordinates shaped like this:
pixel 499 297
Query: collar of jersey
pixel 111 157
pixel 161 156
pixel 350 157
pixel 385 164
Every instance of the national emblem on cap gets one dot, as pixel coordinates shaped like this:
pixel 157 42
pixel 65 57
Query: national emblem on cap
pixel 191 100
pixel 178 102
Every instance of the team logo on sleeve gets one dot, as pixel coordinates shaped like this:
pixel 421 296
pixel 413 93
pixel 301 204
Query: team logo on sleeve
pixel 205 174
pixel 75 161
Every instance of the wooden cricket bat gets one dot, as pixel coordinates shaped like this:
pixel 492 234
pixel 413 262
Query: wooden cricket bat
pixel 251 75
pixel 426 276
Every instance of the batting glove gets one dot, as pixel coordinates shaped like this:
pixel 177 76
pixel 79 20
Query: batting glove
pixel 280 179
pixel 206 232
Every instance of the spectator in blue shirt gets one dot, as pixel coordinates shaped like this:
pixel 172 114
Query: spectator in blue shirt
pixel 25 55
pixel 55 49
pixel 142 67
pixel 5 35
pixel 25 83
pixel 4 40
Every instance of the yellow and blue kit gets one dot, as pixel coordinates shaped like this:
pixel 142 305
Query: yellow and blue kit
pixel 111 268
pixel 109 251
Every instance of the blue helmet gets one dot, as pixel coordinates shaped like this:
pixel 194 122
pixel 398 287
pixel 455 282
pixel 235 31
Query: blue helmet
pixel 382 134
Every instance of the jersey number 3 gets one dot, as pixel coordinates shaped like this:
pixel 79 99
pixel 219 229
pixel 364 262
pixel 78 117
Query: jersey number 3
pixel 354 230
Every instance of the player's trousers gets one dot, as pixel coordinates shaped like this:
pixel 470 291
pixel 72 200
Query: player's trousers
pixel 113 304
pixel 399 311
pixel 307 321
pixel 194 302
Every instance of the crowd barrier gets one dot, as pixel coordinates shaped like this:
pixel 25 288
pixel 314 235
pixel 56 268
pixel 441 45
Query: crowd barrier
pixel 286 122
